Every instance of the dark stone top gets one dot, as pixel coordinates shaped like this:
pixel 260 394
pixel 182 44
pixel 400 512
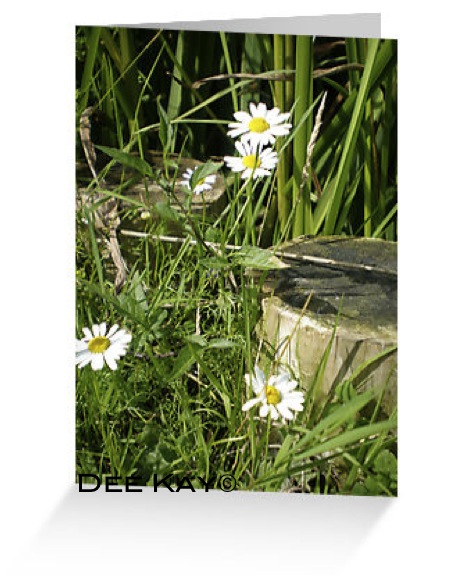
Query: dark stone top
pixel 357 274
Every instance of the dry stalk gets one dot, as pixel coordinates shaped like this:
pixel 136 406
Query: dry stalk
pixel 106 216
pixel 312 142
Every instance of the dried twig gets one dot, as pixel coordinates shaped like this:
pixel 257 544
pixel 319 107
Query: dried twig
pixel 106 215
pixel 275 252
pixel 284 75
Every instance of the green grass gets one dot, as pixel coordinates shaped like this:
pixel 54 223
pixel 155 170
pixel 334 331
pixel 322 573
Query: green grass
pixel 174 405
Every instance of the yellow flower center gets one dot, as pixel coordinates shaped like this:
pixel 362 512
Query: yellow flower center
pixel 251 161
pixel 273 395
pixel 258 124
pixel 200 182
pixel 98 344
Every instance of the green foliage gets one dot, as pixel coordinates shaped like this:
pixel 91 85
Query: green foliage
pixel 201 172
pixel 352 185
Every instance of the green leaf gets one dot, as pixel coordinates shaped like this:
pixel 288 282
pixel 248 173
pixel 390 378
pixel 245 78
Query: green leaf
pixel 283 453
pixel 338 417
pixel 386 463
pixel 169 455
pixel 227 403
pixel 348 438
pixel 138 292
pixel 359 490
pixel 222 344
pixel 380 228
pixel 126 159
pixel 257 258
pixel 372 486
pixel 351 139
pixel 156 320
pixel 166 212
pixel 197 340
pixel 165 132
pixel 214 263
pixel 202 171
pixel 182 363
pixel 150 434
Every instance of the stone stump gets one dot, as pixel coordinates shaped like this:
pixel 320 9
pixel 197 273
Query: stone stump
pixel 129 188
pixel 352 279
pixel 146 191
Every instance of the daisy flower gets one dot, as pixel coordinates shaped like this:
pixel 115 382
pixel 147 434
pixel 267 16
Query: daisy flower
pixel 97 346
pixel 276 395
pixel 202 185
pixel 261 127
pixel 252 161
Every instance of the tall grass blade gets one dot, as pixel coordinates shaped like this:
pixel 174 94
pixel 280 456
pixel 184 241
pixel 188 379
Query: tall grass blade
pixel 351 140
pixel 303 220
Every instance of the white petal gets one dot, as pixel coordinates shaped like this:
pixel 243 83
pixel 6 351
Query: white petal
pixel 110 360
pixel 237 131
pixel 251 403
pixel 242 117
pixel 242 148
pixel 88 333
pixel 260 172
pixel 121 337
pixel 283 376
pixel 269 162
pixel 279 118
pixel 255 139
pixel 118 335
pixel 260 375
pixel 273 412
pixel 264 410
pixel 116 352
pixel 112 331
pixel 234 163
pixel 82 363
pixel 127 338
pixel 294 405
pixel 273 113
pixel 296 396
pixel 284 411
pixel 248 379
pixel 81 346
pixel 261 110
pixel 281 130
pixel 83 358
pixel 83 353
pixel 268 153
pixel 97 361
pixel 253 109
pixel 96 330
pixel 272 380
pixel 284 385
pixel 103 329
pixel 229 159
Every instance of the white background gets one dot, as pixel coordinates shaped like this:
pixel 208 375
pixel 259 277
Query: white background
pixel 51 529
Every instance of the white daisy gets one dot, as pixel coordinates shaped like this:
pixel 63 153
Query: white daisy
pixel 203 184
pixel 262 126
pixel 252 161
pixel 276 395
pixel 97 346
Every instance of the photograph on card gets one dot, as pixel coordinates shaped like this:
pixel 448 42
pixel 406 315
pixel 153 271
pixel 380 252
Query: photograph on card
pixel 236 262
